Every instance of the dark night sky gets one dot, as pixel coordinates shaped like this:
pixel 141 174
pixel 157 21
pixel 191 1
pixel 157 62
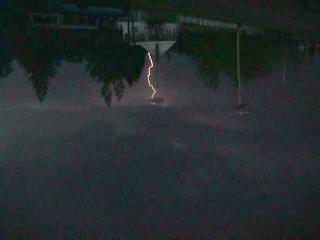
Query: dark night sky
pixel 72 167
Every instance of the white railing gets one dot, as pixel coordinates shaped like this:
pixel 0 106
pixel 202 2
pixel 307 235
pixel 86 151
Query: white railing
pixel 59 22
pixel 212 23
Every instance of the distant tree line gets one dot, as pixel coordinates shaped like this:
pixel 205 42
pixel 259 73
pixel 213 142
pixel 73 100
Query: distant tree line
pixel 110 60
pixel 215 53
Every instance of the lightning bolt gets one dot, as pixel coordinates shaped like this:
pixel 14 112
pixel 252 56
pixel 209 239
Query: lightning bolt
pixel 149 75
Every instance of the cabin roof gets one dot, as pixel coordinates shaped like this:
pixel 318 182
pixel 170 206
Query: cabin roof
pixel 151 46
pixel 92 11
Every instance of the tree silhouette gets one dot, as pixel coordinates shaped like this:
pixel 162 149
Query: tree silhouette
pixel 215 53
pixel 5 62
pixel 112 62
pixel 40 59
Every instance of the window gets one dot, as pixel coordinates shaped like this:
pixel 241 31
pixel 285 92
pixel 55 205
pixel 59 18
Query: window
pixel 76 20
pixel 45 19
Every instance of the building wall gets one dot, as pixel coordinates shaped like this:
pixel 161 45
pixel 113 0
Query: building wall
pixel 141 27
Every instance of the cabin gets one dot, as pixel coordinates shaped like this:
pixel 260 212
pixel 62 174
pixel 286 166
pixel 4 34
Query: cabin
pixel 156 39
pixel 71 16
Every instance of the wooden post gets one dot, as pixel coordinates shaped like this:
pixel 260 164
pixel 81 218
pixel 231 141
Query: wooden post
pixel 307 51
pixel 238 64
pixel 132 31
pixel 157 55
pixel 285 52
pixel 128 25
pixel 284 73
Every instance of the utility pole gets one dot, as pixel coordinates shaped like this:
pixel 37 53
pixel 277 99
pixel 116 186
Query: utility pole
pixel 241 108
